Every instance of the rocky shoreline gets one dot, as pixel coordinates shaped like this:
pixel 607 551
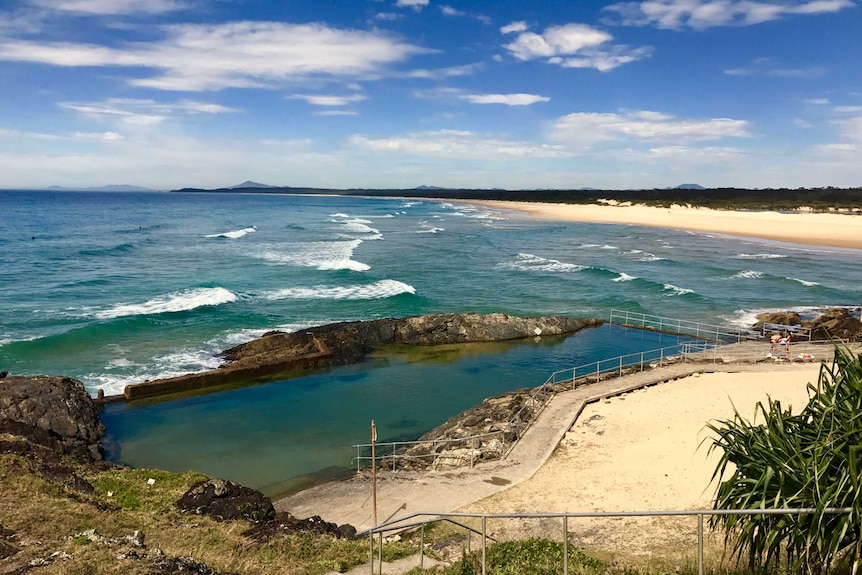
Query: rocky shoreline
pixel 280 353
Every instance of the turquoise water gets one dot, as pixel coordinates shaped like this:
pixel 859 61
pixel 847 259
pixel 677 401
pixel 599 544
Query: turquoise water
pixel 118 288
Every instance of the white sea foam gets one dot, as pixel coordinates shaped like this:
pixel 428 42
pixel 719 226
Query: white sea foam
pixel 338 215
pixel 758 256
pixel 749 274
pixel 358 227
pixel 377 290
pixel 675 290
pixel 531 263
pixel 337 255
pixel 169 365
pixel 624 277
pixel 805 282
pixel 174 302
pixel 651 258
pixel 235 234
pixel 426 228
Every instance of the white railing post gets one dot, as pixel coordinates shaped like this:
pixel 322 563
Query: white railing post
pixel 700 544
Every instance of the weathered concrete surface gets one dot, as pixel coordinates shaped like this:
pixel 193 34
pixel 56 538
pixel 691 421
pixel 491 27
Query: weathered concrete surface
pixel 343 343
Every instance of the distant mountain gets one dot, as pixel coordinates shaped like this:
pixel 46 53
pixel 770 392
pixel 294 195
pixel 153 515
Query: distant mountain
pixel 109 188
pixel 429 188
pixel 249 184
pixel 689 187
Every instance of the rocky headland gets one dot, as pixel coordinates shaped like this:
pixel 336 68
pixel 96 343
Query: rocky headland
pixel 838 323
pixel 279 353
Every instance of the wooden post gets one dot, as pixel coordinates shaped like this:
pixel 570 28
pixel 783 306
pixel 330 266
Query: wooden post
pixel 374 469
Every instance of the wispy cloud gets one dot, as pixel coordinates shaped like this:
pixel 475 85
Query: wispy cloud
pixel 415 4
pixel 507 99
pixel 766 67
pixel 141 112
pixel 457 144
pixel 703 14
pixel 450 72
pixel 514 28
pixel 584 129
pixel 195 57
pixel 328 100
pixel 455 13
pixel 111 7
pixel 574 46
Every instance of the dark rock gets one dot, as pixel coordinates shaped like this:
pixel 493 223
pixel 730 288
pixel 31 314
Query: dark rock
pixel 837 323
pixel 779 317
pixel 3 374
pixel 342 343
pixel 67 477
pixel 182 566
pixel 285 523
pixel 57 405
pixel 225 500
pixel 7 549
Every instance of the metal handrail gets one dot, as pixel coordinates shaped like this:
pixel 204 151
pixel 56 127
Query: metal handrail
pixel 399 524
pixel 557 381
pixel 678 326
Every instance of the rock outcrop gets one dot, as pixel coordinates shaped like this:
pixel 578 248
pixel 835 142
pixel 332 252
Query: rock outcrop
pixel 348 342
pixel 225 500
pixel 55 412
pixel 835 323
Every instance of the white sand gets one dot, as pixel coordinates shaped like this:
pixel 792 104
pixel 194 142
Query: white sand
pixel 647 450
pixel 825 229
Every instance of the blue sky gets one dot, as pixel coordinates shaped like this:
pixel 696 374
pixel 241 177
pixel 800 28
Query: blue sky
pixel 516 94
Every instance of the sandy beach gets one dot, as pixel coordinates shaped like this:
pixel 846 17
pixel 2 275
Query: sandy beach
pixel 644 451
pixel 842 230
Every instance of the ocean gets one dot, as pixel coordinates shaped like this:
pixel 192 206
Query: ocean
pixel 118 288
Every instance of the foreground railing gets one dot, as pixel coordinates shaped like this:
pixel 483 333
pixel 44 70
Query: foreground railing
pixel 410 522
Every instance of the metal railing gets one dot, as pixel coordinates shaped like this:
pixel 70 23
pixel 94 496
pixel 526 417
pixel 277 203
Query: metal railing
pixel 680 326
pixel 404 523
pixel 389 453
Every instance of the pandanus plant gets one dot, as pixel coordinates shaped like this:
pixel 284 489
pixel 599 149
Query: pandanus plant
pixel 809 460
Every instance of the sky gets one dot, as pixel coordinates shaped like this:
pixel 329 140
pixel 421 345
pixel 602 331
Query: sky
pixel 513 94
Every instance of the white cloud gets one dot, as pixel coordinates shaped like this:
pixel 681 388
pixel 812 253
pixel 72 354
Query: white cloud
pixel 575 46
pixel 455 13
pixel 585 129
pixel 196 57
pixel 388 16
pixel 817 101
pixel 324 100
pixel 335 113
pixel 766 67
pixel 851 128
pixel 142 112
pixel 507 99
pixel 415 4
pixel 98 136
pixel 847 109
pixel 703 14
pixel 111 7
pixel 514 28
pixel 457 144
pixel 440 73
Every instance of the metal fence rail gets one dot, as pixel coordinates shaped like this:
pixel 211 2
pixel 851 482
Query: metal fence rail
pixel 680 326
pixel 413 521
pixel 389 453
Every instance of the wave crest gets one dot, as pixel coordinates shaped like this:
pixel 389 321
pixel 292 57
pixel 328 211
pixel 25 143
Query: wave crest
pixel 171 303
pixel 234 234
pixel 378 290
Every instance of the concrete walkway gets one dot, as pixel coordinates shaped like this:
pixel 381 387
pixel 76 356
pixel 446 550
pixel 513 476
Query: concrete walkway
pixel 402 493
